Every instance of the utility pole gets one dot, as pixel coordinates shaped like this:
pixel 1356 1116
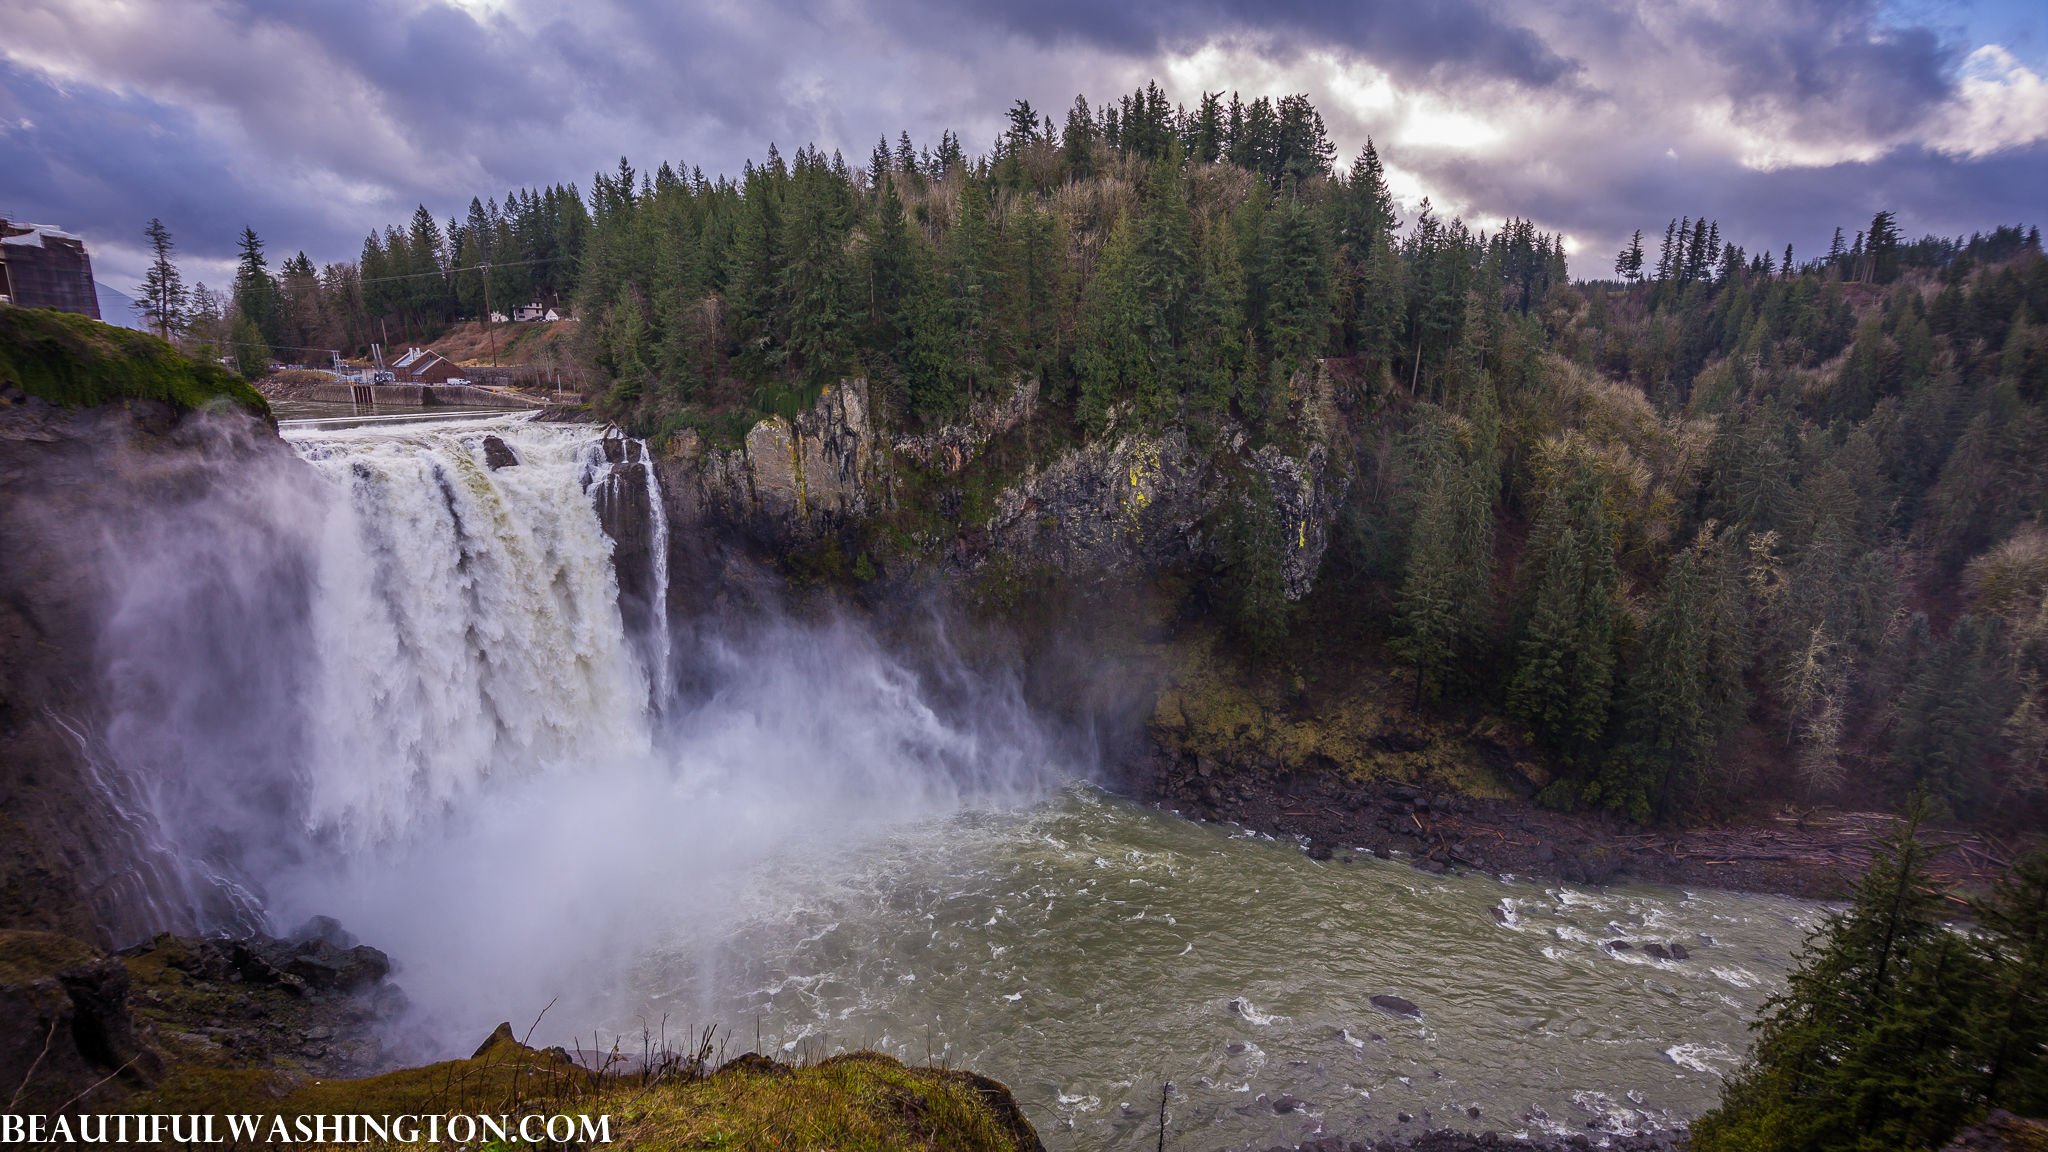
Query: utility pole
pixel 489 327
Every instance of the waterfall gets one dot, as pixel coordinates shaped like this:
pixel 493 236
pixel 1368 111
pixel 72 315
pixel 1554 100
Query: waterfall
pixel 659 642
pixel 388 678
pixel 466 620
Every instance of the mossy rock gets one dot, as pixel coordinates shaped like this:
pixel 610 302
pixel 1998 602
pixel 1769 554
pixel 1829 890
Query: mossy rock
pixel 26 956
pixel 76 361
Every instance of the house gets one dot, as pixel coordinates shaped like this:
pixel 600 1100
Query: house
pixel 533 311
pixel 423 366
pixel 46 267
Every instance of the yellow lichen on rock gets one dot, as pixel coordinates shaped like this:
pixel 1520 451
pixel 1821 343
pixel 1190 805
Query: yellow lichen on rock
pixel 1361 730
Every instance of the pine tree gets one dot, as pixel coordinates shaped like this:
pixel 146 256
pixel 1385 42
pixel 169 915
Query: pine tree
pixel 1111 356
pixel 256 291
pixel 1859 1051
pixel 1564 672
pixel 815 276
pixel 1253 543
pixel 1296 283
pixel 1162 277
pixel 1442 608
pixel 163 289
pixel 755 297
pixel 1629 264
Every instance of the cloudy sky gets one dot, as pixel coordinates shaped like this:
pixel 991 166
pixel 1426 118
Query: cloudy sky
pixel 318 120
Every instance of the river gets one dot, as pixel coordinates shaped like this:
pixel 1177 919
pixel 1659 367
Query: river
pixel 787 830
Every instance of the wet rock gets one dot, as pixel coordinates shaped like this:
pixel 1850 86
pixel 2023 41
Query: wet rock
pixel 1287 1103
pixel 1618 946
pixel 1396 1006
pixel 1678 952
pixel 497 454
pixel 329 969
pixel 1657 950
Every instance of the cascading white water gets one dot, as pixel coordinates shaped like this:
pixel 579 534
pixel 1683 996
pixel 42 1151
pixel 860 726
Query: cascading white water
pixel 458 748
pixel 466 622
pixel 660 642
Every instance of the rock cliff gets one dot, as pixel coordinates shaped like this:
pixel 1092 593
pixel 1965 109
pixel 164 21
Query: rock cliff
pixel 1129 503
pixel 75 853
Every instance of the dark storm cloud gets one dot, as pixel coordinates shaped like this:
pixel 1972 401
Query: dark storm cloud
pixel 317 121
pixel 1408 39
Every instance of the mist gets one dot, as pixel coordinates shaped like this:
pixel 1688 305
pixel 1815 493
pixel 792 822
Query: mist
pixel 379 681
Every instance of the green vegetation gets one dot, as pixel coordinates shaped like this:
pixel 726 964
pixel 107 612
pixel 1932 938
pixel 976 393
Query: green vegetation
pixel 858 1102
pixel 1728 528
pixel 76 361
pixel 1899 1029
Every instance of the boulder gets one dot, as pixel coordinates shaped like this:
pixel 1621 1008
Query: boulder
pixel 1396 1006
pixel 497 454
pixel 329 969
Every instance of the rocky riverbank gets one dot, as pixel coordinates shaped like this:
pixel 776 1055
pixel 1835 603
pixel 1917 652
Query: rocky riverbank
pixel 1813 854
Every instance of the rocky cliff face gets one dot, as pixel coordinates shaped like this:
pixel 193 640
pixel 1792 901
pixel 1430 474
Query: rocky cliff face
pixel 76 852
pixel 1124 503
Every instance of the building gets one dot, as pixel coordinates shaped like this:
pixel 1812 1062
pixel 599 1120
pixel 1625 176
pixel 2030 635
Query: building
pixel 424 366
pixel 46 267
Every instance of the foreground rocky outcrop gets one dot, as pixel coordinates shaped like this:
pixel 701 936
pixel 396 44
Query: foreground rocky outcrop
pixel 67 1037
pixel 2002 1132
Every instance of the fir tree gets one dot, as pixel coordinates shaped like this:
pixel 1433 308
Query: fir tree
pixel 163 289
pixel 256 290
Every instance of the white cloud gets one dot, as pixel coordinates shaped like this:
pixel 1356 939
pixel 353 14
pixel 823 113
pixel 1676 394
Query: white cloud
pixel 2000 104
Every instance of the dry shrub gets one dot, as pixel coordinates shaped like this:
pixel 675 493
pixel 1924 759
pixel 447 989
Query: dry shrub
pixel 2011 576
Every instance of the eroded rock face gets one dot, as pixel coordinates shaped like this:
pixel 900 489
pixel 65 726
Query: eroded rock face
pixel 1139 502
pixel 76 851
pixel 1124 503
pixel 791 483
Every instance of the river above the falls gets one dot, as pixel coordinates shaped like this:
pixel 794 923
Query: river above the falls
pixel 1085 949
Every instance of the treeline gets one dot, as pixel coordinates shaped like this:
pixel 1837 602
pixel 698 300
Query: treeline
pixel 1760 534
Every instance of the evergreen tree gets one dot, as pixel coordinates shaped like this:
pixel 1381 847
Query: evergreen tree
pixel 255 290
pixel 1442 608
pixel 756 296
pixel 163 289
pixel 1858 1052
pixel 1162 279
pixel 1564 672
pixel 815 276
pixel 1111 357
pixel 1948 718
pixel 1252 545
pixel 1077 142
pixel 1629 264
pixel 1296 284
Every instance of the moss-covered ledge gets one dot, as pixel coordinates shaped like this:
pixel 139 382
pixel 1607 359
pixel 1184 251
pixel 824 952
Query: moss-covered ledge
pixel 76 361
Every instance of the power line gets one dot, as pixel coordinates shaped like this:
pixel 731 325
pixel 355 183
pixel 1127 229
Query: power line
pixel 453 271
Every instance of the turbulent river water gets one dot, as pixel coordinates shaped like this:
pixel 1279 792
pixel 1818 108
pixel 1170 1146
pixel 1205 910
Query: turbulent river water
pixel 787 830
